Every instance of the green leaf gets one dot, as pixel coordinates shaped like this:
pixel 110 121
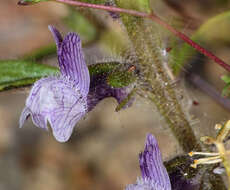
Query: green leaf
pixel 16 73
pixel 226 78
pixel 213 32
pixel 226 91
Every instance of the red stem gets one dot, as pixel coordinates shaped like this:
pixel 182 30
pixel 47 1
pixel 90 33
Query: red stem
pixel 191 42
pixel 155 19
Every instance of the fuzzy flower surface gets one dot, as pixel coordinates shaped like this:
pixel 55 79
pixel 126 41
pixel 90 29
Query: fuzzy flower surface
pixel 63 100
pixel 154 174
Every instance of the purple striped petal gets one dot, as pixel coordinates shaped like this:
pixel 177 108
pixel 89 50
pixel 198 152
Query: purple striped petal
pixel 58 101
pixel 71 59
pixel 57 36
pixel 151 163
pixel 145 184
pixel 154 174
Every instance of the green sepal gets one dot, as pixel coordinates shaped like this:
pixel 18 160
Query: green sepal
pixel 126 100
pixel 16 73
pixel 119 79
pixel 101 68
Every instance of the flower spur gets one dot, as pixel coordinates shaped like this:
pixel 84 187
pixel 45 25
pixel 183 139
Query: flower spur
pixel 63 100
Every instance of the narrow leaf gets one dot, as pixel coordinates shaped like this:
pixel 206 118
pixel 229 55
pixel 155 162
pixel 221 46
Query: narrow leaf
pixel 16 73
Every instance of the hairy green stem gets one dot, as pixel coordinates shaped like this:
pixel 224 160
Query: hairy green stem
pixel 155 83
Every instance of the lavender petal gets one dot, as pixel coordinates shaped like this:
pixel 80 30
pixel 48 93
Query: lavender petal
pixel 151 164
pixel 24 115
pixel 71 59
pixel 58 101
pixel 57 36
pixel 145 184
pixel 72 63
pixel 154 174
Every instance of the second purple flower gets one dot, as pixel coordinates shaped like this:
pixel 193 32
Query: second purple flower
pixel 154 174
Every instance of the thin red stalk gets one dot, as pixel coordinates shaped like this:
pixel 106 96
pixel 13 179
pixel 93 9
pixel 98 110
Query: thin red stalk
pixel 191 42
pixel 104 7
pixel 155 19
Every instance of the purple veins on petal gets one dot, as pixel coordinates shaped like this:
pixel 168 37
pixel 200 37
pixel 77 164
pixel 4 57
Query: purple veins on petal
pixel 151 163
pixel 145 184
pixel 63 100
pixel 57 36
pixel 154 174
pixel 71 59
pixel 57 101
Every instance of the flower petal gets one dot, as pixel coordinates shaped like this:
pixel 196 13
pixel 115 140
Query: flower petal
pixel 24 115
pixel 57 36
pixel 58 101
pixel 145 184
pixel 71 59
pixel 151 164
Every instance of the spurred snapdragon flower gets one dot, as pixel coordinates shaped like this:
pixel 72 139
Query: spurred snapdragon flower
pixel 63 100
pixel 154 174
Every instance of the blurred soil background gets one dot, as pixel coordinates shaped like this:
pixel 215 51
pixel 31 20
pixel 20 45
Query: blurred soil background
pixel 103 150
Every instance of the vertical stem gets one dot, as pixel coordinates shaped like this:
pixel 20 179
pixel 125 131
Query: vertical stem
pixel 178 124
pixel 160 92
pixel 224 156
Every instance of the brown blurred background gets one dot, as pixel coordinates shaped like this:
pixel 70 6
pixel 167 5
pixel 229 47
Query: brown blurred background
pixel 103 150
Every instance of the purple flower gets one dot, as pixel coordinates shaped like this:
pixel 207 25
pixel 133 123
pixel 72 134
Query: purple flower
pixel 63 100
pixel 154 174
